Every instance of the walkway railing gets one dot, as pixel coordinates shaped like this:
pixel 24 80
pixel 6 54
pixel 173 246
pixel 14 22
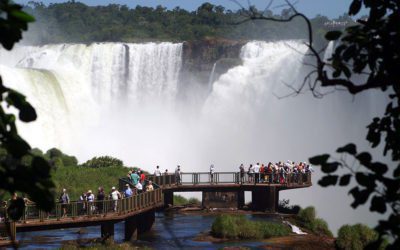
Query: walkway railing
pixel 163 180
pixel 232 178
pixel 92 209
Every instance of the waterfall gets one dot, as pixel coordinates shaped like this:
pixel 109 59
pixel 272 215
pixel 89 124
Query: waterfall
pixel 211 79
pixel 329 51
pixel 121 100
pixel 71 85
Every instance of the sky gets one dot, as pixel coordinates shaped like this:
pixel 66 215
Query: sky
pixel 311 8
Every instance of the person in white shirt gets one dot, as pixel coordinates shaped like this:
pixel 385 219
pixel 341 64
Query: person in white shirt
pixel 212 173
pixel 90 200
pixel 157 172
pixel 257 172
pixel 115 195
pixel 139 187
pixel 251 173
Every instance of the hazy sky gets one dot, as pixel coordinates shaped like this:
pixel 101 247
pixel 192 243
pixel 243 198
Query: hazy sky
pixel 309 7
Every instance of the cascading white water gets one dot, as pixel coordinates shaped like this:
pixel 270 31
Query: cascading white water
pixel 120 100
pixel 211 79
pixel 71 84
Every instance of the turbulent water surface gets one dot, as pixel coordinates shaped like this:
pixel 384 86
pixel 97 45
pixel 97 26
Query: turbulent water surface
pixel 130 101
pixel 170 231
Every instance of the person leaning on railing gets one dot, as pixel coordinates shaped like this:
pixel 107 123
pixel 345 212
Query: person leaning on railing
pixel 178 175
pixel 100 198
pixel 90 200
pixel 128 191
pixel 241 172
pixel 149 186
pixel 82 202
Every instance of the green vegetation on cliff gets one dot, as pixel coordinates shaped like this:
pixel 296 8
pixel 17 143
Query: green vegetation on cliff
pixel 67 173
pixel 306 218
pixel 238 227
pixel 76 22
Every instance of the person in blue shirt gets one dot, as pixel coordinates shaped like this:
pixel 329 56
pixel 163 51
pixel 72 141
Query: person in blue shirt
pixel 128 191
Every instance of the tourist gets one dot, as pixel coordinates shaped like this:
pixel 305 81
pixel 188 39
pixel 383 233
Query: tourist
pixel 82 201
pixel 241 172
pixel 276 172
pixel 178 175
pixel 166 172
pixel 130 175
pixel 212 173
pixel 115 195
pixel 128 191
pixel 257 173
pixel 3 209
pixel 149 186
pixel 157 172
pixel 139 187
pixel 270 172
pixel 90 200
pixel 282 174
pixel 309 168
pixel 250 173
pixel 100 198
pixel 262 173
pixel 64 200
pixel 135 178
pixel 142 177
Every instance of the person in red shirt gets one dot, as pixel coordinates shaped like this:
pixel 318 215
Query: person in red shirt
pixel 262 174
pixel 142 177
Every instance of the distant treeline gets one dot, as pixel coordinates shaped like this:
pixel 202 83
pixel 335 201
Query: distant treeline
pixel 76 22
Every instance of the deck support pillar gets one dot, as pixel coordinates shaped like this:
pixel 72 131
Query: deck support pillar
pixel 107 230
pixel 265 199
pixel 168 198
pixel 131 226
pixel 146 221
pixel 11 229
pixel 240 199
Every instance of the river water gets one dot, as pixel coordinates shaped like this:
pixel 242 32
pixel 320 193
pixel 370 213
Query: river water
pixel 170 231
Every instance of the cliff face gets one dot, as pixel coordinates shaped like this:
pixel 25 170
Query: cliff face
pixel 199 57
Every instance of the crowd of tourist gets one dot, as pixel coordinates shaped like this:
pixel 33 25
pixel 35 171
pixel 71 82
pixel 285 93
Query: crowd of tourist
pixel 278 172
pixel 177 173
pixel 90 202
pixel 273 173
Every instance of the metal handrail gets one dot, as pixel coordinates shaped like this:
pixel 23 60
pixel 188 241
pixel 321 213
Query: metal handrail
pixel 93 209
pixel 198 178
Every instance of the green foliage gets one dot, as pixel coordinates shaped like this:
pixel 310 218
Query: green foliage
pixel 225 226
pixel 78 179
pixel 179 200
pixel 194 200
pixel 103 162
pixel 238 227
pixel 306 218
pixel 355 237
pixel 20 170
pixel 77 22
pixel 307 215
pixel 59 159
